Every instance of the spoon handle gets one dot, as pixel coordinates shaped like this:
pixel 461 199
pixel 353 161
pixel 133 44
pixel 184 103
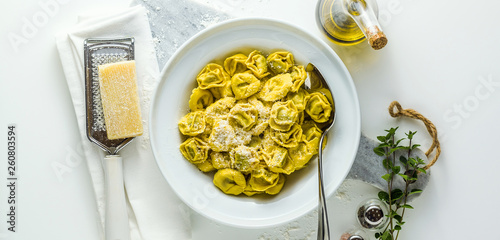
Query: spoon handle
pixel 323 226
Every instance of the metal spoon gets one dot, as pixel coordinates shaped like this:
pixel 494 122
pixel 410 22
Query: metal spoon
pixel 316 82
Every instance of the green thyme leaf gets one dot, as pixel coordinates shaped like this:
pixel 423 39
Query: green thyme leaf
pixel 383 196
pixel 404 176
pixel 413 191
pixel 396 169
pixel 379 151
pixel 403 160
pixel 387 177
pixel 406 206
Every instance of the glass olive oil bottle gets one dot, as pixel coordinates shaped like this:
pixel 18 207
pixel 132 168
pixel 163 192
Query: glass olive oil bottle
pixel 349 22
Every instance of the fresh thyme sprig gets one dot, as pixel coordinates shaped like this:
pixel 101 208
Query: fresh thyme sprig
pixel 394 197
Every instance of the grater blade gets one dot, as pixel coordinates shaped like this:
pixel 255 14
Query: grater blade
pixel 97 52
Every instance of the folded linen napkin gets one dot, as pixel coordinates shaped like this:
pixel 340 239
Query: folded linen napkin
pixel 155 212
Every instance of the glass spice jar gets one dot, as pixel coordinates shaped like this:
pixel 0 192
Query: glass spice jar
pixel 372 214
pixel 354 235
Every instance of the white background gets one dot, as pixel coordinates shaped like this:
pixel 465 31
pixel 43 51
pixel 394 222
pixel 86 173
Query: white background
pixel 442 60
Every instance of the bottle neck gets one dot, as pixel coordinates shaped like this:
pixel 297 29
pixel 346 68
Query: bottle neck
pixel 364 16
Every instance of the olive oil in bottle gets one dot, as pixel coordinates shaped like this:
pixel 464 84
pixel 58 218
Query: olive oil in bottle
pixel 349 22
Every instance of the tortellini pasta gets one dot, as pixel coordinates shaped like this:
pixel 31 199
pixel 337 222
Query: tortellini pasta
pixel 276 88
pixel 219 109
pixel 222 137
pixel 235 64
pixel 279 161
pixel 288 139
pixel 283 115
pixel 193 123
pixel 280 62
pixel 213 75
pixel 230 181
pixel 277 188
pixel 302 153
pixel 252 122
pixel 222 92
pixel 318 107
pixel 262 179
pixel 200 99
pixel 194 150
pixel 244 85
pixel 244 159
pixel 299 76
pixel 299 98
pixel 220 160
pixel 257 63
pixel 244 115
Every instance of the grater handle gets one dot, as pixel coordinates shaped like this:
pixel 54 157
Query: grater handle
pixel 117 227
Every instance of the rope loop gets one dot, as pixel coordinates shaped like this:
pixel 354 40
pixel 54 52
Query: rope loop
pixel 435 147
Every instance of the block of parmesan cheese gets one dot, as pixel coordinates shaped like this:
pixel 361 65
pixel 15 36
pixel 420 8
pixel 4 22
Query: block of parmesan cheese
pixel 120 100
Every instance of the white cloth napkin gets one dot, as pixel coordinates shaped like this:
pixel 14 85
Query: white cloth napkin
pixel 155 212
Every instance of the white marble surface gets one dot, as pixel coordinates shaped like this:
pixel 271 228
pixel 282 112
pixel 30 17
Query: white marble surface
pixel 441 62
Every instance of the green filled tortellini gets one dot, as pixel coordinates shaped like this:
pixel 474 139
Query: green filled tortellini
pixel 206 166
pixel 255 143
pixel 192 123
pixel 244 115
pixel 283 115
pixel 212 75
pixel 244 159
pixel 279 161
pixel 257 63
pixel 235 64
pixel 222 137
pixel 280 62
pixel 318 107
pixel 230 181
pixel 288 139
pixel 299 98
pixel 312 135
pixel 279 185
pixel 219 109
pixel 251 122
pixel 222 92
pixel 311 132
pixel 244 85
pixel 299 76
pixel 200 99
pixel 194 150
pixel 220 160
pixel 276 87
pixel 302 153
pixel 250 192
pixel 262 179
pixel 263 116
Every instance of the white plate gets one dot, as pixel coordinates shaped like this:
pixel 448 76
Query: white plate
pixel 170 103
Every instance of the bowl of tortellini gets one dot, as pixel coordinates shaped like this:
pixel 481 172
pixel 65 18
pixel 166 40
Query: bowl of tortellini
pixel 236 134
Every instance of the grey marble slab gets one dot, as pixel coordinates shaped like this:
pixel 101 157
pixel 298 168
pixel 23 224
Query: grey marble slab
pixel 174 22
pixel 368 167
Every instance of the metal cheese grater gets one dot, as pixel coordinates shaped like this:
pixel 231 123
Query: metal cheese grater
pixel 97 52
